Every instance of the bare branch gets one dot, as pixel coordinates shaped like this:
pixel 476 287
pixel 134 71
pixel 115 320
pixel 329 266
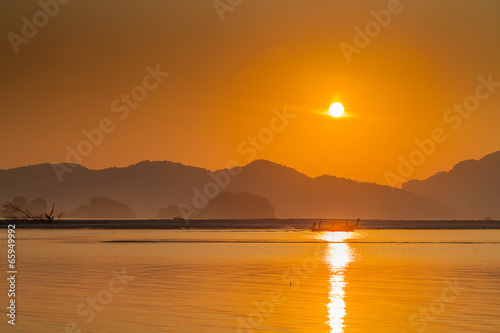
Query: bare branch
pixel 14 212
pixel 50 217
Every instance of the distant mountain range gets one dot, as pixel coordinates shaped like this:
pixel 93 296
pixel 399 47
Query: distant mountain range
pixel 471 188
pixel 259 189
pixel 227 205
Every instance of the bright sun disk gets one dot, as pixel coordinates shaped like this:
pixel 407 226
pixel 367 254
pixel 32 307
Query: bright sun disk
pixel 336 110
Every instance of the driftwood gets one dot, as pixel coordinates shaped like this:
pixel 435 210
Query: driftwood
pixel 14 212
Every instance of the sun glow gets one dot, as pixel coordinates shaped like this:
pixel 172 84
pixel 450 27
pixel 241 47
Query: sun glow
pixel 336 110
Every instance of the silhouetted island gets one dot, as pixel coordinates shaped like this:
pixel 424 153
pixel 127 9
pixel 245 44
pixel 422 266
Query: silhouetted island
pixel 102 208
pixel 227 205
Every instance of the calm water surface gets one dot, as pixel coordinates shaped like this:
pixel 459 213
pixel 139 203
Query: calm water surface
pixel 256 281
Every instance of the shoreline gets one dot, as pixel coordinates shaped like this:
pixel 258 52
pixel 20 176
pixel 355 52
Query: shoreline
pixel 238 224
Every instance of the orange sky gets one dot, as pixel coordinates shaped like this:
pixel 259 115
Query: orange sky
pixel 226 77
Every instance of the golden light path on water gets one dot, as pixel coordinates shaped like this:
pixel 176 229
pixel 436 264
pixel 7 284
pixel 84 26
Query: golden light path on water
pixel 338 257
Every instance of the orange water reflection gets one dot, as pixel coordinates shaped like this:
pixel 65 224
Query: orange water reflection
pixel 338 257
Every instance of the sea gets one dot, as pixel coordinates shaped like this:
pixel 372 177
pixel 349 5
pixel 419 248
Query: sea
pixel 401 281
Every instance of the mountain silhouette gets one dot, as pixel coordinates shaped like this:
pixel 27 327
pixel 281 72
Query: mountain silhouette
pixel 227 205
pixel 102 208
pixel 36 207
pixel 294 194
pixel 472 187
pixel 149 187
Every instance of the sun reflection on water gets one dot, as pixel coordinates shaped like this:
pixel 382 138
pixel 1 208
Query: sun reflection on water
pixel 338 257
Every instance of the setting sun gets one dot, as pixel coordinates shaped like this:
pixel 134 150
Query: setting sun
pixel 336 110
